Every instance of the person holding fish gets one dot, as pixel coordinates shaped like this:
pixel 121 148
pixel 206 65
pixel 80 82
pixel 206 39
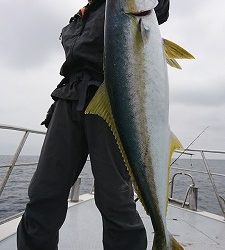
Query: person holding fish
pixel 72 136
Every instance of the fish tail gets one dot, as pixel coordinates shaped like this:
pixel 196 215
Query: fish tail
pixel 170 243
pixel 175 245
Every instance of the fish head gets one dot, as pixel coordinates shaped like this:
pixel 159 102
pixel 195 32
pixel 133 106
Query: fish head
pixel 127 33
pixel 130 15
pixel 138 7
pixel 135 7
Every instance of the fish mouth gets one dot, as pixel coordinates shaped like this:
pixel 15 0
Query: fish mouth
pixel 139 13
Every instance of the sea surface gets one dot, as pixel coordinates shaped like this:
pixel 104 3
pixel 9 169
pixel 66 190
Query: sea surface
pixel 14 197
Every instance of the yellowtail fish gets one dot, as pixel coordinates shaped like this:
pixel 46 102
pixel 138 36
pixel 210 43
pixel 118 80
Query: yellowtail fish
pixel 134 101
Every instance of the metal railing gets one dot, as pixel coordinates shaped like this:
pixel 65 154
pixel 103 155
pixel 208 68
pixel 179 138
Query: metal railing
pixel 193 193
pixel 18 151
pixel 220 199
pixel 74 193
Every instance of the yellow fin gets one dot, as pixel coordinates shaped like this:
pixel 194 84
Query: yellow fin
pixel 100 105
pixel 174 144
pixel 173 63
pixel 174 51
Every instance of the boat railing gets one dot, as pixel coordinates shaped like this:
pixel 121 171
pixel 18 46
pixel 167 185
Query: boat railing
pixel 74 193
pixel 192 191
pixel 11 166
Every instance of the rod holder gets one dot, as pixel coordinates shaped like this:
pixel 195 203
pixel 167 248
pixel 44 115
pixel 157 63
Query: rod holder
pixel 75 191
pixel 193 198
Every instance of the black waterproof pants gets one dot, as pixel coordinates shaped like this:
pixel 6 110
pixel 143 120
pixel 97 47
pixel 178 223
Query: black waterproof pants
pixel 71 136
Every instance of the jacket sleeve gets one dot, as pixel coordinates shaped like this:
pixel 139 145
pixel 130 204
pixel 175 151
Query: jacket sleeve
pixel 162 10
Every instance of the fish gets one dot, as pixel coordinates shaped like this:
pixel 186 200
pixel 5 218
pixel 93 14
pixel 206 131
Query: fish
pixel 134 102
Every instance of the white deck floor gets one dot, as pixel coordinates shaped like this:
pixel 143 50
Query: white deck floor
pixel 82 229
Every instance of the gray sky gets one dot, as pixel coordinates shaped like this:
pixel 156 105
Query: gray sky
pixel 31 56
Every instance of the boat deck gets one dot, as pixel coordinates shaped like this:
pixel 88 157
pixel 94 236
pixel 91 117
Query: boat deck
pixel 82 229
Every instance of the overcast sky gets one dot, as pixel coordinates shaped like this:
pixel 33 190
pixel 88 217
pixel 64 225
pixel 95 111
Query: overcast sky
pixel 31 56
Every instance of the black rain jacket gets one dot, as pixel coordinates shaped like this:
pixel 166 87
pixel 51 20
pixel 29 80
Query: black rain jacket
pixel 83 42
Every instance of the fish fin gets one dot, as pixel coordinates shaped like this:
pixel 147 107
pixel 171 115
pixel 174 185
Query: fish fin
pixel 174 144
pixel 100 105
pixel 170 244
pixel 144 29
pixel 173 63
pixel 174 51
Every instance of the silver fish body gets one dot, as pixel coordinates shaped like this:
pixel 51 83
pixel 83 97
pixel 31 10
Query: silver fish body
pixel 137 84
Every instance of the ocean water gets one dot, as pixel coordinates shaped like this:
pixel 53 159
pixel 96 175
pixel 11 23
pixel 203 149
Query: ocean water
pixel 14 196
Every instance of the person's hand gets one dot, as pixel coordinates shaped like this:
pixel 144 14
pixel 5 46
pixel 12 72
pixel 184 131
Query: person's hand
pixel 49 115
